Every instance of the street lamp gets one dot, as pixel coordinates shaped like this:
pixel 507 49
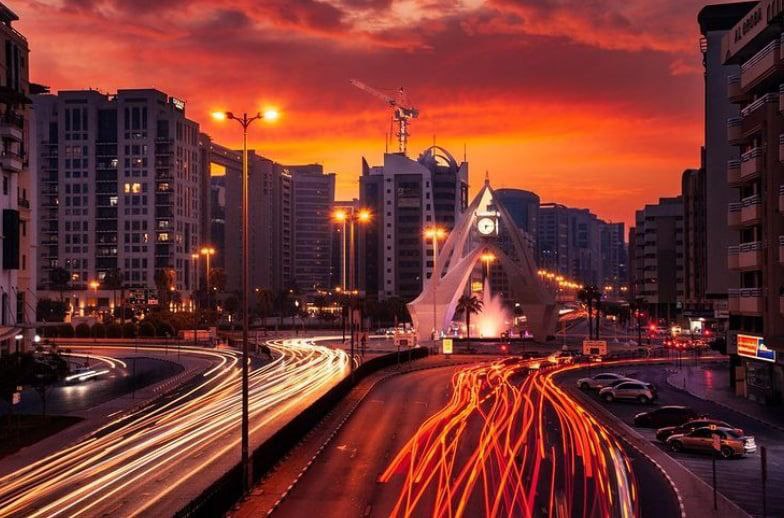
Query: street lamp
pixel 207 252
pixel 245 121
pixel 487 258
pixel 435 233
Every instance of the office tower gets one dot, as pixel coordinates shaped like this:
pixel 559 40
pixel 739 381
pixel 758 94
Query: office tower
pixel 569 242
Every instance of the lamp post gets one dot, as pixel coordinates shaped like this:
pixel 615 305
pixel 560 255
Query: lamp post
pixel 351 216
pixel 435 233
pixel 245 121
pixel 194 288
pixel 207 252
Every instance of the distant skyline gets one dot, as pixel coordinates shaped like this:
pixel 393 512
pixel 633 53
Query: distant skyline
pixel 592 104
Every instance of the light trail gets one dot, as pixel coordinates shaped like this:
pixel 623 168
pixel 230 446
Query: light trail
pixel 538 452
pixel 124 456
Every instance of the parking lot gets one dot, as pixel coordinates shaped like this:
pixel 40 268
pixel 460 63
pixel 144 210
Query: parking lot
pixel 739 479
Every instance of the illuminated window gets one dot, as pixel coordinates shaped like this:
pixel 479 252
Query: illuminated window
pixel 217 169
pixel 163 236
pixel 133 188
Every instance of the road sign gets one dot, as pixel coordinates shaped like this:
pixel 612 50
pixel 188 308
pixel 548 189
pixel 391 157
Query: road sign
pixel 446 345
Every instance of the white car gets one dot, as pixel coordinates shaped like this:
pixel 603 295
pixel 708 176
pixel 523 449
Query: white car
pixel 598 382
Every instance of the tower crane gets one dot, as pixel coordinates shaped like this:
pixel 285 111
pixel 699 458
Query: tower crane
pixel 402 111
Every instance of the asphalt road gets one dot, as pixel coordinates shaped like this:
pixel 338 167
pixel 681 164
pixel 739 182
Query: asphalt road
pixel 739 479
pixel 344 479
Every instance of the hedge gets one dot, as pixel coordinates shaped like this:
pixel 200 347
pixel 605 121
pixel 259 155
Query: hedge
pixel 82 331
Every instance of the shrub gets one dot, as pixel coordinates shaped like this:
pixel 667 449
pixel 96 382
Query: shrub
pixel 82 330
pixel 114 331
pixel 129 330
pixel 98 330
pixel 65 331
pixel 166 329
pixel 147 329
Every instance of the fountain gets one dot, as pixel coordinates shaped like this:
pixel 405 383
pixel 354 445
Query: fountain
pixel 494 317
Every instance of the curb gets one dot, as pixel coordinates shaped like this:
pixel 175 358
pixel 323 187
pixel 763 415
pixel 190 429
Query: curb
pixel 343 421
pixel 724 405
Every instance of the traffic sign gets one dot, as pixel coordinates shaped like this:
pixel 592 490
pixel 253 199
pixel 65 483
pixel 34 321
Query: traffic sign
pixel 446 345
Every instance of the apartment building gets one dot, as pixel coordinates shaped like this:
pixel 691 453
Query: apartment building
pixel 119 177
pixel 569 242
pixel 756 308
pixel 656 257
pixel 17 198
pixel 405 196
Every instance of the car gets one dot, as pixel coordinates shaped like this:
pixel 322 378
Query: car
pixel 663 433
pixel 629 390
pixel 599 381
pixel 669 415
pixel 731 443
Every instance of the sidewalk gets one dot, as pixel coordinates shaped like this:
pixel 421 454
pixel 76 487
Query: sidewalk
pixel 712 382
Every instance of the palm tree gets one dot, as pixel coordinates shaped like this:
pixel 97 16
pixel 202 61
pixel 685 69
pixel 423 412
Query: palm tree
pixel 588 295
pixel 164 281
pixel 60 279
pixel 114 280
pixel 468 304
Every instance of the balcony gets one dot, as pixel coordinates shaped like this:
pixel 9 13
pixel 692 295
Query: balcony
pixel 735 130
pixel 781 199
pixel 751 211
pixel 10 161
pixel 751 163
pixel 733 173
pixel 760 65
pixel 745 301
pixel 11 126
pixel 781 97
pixel 734 90
pixel 733 215
pixel 752 107
pixel 746 257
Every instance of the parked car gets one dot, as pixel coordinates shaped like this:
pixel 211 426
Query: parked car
pixel 705 422
pixel 732 444
pixel 670 415
pixel 605 379
pixel 629 390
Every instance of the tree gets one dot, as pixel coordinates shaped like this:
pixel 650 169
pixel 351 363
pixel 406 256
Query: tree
pixel 264 302
pixel 60 279
pixel 48 310
pixel 114 280
pixel 217 279
pixel 588 295
pixel 466 305
pixel 164 282
pixel 232 304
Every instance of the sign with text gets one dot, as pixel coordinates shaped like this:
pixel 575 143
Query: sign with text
pixel 754 347
pixel 446 345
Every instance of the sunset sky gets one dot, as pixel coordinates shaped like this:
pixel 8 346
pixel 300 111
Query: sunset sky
pixel 591 103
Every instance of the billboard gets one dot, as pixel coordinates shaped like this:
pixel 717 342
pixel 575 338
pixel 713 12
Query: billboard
pixel 754 347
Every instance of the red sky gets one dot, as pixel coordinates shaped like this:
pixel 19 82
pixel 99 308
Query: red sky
pixel 591 103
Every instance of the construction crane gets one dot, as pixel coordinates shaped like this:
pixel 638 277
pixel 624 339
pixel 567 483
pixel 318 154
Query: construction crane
pixel 402 112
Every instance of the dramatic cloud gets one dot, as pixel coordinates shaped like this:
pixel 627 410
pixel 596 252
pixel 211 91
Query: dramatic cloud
pixel 593 103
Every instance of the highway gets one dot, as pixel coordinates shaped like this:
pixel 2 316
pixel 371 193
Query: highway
pixel 486 440
pixel 155 459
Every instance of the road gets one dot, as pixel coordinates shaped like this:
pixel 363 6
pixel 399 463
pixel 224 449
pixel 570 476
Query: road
pixel 156 459
pixel 485 440
pixel 738 479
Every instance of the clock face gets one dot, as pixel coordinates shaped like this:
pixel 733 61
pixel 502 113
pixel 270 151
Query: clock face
pixel 486 226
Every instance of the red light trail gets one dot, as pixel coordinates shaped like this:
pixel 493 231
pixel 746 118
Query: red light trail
pixel 538 452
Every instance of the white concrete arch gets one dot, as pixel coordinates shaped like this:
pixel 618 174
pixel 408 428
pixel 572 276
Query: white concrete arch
pixel 457 259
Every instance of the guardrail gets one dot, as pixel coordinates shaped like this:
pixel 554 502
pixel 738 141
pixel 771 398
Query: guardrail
pixel 227 490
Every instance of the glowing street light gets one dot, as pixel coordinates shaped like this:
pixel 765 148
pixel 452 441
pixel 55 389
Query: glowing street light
pixel 435 233
pixel 245 121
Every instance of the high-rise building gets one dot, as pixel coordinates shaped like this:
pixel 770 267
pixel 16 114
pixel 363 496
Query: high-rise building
pixel 715 21
pixel 270 216
pixel 119 177
pixel 756 326
pixel 523 206
pixel 569 242
pixel 695 247
pixel 614 255
pixel 656 257
pixel 313 194
pixel 405 196
pixel 17 200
